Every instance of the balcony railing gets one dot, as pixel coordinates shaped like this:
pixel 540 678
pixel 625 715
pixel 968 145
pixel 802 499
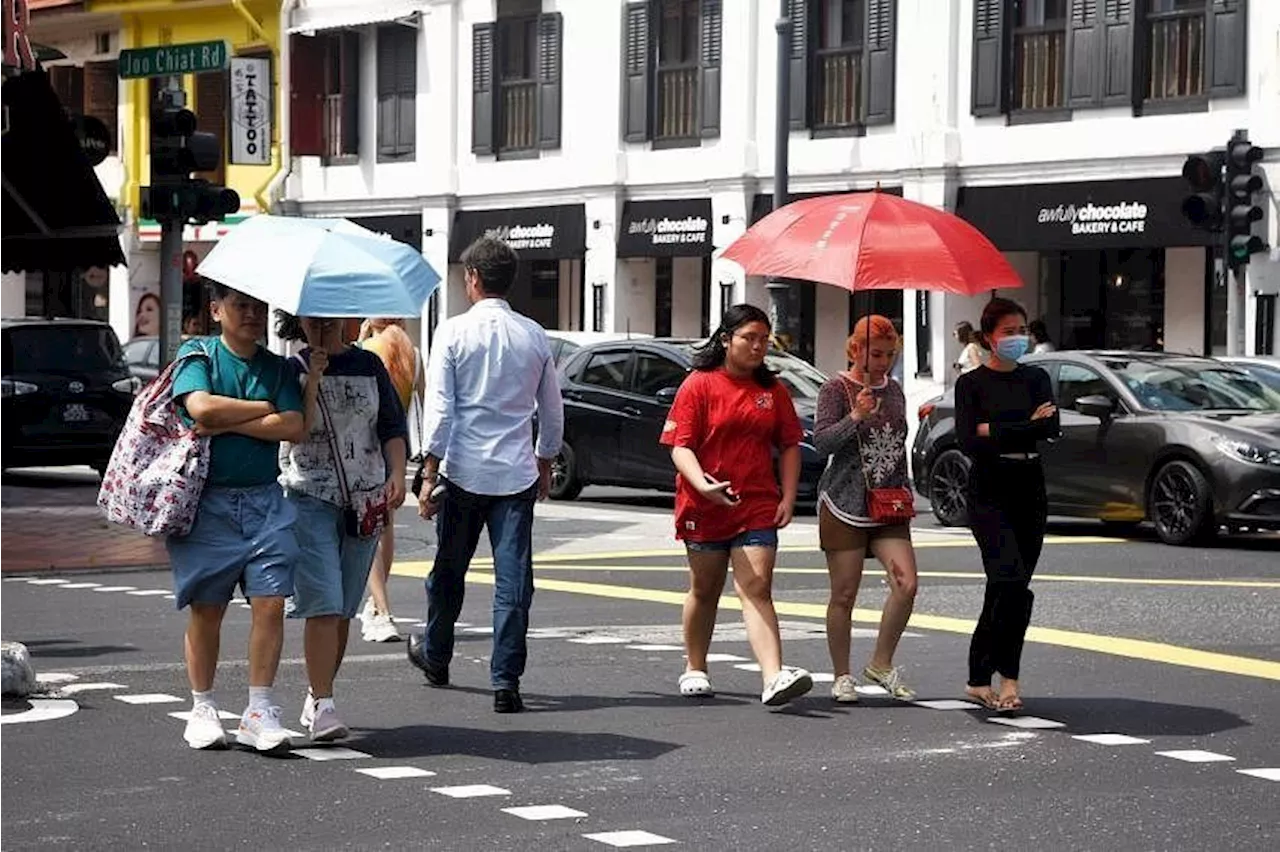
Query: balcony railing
pixel 1038 61
pixel 677 102
pixel 838 101
pixel 519 115
pixel 335 123
pixel 1176 67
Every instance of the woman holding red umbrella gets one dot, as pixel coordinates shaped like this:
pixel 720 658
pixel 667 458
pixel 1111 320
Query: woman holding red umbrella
pixel 727 419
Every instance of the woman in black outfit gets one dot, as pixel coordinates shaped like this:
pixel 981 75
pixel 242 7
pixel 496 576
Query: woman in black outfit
pixel 1003 409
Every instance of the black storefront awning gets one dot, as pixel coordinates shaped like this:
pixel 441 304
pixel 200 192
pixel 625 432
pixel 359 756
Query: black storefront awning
pixel 1094 215
pixel 762 205
pixel 536 233
pixel 674 228
pixel 56 215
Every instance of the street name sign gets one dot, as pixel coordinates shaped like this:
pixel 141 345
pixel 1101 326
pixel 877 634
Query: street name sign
pixel 168 59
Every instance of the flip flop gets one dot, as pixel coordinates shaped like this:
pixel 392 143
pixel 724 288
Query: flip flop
pixel 988 700
pixel 1009 704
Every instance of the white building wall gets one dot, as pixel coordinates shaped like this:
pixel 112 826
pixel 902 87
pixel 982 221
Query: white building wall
pixel 1184 300
pixel 687 294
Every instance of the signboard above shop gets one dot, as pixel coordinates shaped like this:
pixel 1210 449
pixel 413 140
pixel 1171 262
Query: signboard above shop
pixel 536 233
pixel 667 228
pixel 1094 215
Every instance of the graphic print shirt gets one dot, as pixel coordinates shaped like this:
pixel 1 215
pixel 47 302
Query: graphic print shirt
pixel 365 412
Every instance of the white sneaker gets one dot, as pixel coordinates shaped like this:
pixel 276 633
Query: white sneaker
pixel 786 685
pixel 367 612
pixel 260 728
pixel 325 725
pixel 204 728
pixel 381 628
pixel 308 710
pixel 844 690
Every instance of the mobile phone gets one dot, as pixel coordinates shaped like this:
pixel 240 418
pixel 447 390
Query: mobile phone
pixel 729 492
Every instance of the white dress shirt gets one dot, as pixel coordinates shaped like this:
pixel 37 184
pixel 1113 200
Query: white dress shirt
pixel 490 370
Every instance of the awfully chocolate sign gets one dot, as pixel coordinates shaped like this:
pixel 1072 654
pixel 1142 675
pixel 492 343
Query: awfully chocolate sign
pixel 536 233
pixel 1095 215
pixel 677 228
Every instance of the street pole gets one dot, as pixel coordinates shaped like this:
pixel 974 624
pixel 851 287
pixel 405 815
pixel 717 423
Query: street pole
pixel 170 252
pixel 780 291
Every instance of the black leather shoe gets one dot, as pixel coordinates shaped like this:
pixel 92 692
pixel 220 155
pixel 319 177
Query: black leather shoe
pixel 507 701
pixel 417 651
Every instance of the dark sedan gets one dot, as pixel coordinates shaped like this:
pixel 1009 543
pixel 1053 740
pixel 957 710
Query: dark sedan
pixel 616 399
pixel 1190 444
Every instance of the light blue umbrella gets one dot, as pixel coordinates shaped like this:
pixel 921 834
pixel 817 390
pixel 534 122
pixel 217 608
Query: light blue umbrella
pixel 321 268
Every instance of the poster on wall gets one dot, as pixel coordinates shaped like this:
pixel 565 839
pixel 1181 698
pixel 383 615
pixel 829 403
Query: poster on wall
pixel 147 312
pixel 250 111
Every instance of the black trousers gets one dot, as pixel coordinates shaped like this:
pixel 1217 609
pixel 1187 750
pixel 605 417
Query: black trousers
pixel 1007 513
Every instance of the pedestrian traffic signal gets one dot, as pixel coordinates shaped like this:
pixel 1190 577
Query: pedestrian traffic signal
pixel 177 150
pixel 1242 207
pixel 1203 172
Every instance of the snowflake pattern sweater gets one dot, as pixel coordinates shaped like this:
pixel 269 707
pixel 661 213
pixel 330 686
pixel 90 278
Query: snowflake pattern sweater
pixel 883 452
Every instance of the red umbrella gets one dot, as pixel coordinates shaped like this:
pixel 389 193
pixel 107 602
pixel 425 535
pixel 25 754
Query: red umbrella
pixel 873 241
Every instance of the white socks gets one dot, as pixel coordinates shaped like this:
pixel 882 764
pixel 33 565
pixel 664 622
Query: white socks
pixel 259 697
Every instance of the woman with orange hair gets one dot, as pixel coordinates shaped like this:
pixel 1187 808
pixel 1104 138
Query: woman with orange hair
pixel 864 501
pixel 388 340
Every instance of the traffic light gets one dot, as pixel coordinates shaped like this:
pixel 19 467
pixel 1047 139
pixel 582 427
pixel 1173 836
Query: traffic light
pixel 177 150
pixel 1242 208
pixel 1203 172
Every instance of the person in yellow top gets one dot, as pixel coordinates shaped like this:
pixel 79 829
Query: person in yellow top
pixel 387 339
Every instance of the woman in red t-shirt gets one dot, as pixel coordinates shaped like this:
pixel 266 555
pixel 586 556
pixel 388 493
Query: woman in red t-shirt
pixel 729 416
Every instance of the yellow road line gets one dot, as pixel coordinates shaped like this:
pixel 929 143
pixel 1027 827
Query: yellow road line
pixel 1138 649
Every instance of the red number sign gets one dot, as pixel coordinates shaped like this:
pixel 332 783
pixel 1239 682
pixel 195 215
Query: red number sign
pixel 14 47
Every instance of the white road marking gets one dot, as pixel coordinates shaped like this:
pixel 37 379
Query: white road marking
pixel 1028 722
pixel 470 791
pixel 748 667
pixel 1265 774
pixel 388 773
pixel 822 677
pixel 550 634
pixel 48 582
pixel 541 812
pixel 724 658
pixel 42 710
pixel 185 715
pixel 115 588
pixel 146 593
pixel 171 596
pixel 73 688
pixel 870 689
pixel 485 630
pixel 80 586
pixel 331 753
pixel 148 698
pixel 620 839
pixel 655 647
pixel 948 704
pixel 1111 739
pixel 56 677
pixel 598 640
pixel 1194 755
pixel 400 619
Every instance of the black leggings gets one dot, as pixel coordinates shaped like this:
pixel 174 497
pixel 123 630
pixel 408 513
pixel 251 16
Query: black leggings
pixel 1007 513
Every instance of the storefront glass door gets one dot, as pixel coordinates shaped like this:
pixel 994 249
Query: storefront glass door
pixel 536 292
pixel 1113 299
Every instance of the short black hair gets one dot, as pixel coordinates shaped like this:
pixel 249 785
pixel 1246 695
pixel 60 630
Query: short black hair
pixel 288 327
pixel 216 289
pixel 995 311
pixel 494 262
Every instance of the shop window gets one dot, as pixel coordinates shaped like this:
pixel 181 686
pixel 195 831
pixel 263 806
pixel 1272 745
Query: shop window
pixel 607 370
pixel 662 302
pixel 341 115
pixel 842 64
pixel 91 90
pixel 671 71
pixel 655 373
pixel 397 91
pixel 516 81
pixel 1039 54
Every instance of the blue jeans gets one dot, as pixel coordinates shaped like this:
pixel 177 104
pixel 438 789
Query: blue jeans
pixel 458 524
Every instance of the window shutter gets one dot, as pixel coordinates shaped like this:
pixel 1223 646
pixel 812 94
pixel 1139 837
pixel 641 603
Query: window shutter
pixel 1116 35
pixel 1084 72
pixel 550 46
pixel 68 82
pixel 386 90
pixel 799 13
pixel 1227 47
pixel 712 23
pixel 211 115
pixel 406 85
pixel 482 89
pixel 988 95
pixel 635 73
pixel 306 96
pixel 878 61
pixel 350 83
pixel 102 96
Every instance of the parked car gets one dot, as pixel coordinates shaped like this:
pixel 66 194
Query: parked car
pixel 66 392
pixel 616 398
pixel 1191 444
pixel 142 354
pixel 1265 370
pixel 565 343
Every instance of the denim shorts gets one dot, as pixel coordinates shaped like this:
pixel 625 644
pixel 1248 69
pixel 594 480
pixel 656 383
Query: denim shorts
pixel 333 567
pixel 750 538
pixel 241 536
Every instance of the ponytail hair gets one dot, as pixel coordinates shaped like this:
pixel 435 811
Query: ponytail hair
pixel 711 355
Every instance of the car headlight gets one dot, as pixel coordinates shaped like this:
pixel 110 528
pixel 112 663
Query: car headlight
pixel 130 385
pixel 1247 452
pixel 9 387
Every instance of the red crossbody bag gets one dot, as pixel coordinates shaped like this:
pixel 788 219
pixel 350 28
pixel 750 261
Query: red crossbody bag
pixel 884 505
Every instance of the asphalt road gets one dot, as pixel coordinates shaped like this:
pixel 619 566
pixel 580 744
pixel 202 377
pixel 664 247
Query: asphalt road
pixel 609 748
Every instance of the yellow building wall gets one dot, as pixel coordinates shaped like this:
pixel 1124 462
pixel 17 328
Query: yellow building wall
pixel 248 26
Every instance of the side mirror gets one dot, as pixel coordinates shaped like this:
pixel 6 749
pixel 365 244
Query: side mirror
pixel 666 396
pixel 1096 405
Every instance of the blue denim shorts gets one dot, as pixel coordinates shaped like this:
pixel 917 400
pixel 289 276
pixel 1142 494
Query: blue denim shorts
pixel 242 536
pixel 333 567
pixel 750 538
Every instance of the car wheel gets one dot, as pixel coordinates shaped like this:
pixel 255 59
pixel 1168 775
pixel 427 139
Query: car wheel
pixel 1180 504
pixel 948 488
pixel 565 484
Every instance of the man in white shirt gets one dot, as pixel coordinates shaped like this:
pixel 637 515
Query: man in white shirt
pixel 489 372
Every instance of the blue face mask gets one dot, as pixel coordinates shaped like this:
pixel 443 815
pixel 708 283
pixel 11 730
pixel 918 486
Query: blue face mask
pixel 1013 347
